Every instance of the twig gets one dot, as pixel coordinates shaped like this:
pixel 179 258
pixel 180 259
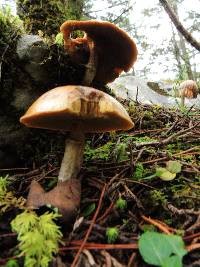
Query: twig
pixel 138 202
pixel 174 210
pixel 3 261
pixel 14 169
pixel 157 224
pixel 106 212
pixel 189 237
pixel 175 135
pixel 193 247
pixel 176 154
pixel 138 157
pixel 73 246
pixel 8 235
pixel 136 98
pixel 90 228
pixel 179 134
pixel 171 128
pixel 131 259
pixel 195 226
pixel 122 238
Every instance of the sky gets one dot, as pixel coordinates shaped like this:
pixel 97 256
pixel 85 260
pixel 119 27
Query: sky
pixel 154 37
pixel 164 32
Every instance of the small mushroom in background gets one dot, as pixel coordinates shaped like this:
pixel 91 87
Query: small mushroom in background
pixel 109 49
pixel 77 110
pixel 187 89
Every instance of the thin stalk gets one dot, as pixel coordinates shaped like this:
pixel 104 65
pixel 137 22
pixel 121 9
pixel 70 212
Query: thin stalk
pixel 91 66
pixel 73 157
pixel 182 101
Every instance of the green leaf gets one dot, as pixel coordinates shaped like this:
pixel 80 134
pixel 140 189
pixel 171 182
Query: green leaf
pixel 174 166
pixel 156 248
pixel 164 174
pixel 89 209
pixel 173 261
pixel 160 171
pixel 177 244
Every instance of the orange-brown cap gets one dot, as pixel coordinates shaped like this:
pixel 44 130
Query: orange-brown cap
pixel 72 108
pixel 116 51
pixel 188 89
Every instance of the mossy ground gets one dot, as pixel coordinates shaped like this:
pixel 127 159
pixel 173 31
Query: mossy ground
pixel 123 162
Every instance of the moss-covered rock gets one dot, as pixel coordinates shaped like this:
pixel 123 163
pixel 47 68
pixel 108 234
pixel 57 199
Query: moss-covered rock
pixel 29 66
pixel 47 16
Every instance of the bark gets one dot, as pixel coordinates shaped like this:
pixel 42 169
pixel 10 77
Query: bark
pixel 179 25
pixel 186 59
pixel 47 16
pixel 176 52
pixel 181 50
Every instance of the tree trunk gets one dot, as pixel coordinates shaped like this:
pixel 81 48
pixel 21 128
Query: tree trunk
pixel 179 25
pixel 177 54
pixel 182 52
pixel 47 16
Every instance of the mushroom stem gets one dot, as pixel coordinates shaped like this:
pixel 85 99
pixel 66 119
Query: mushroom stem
pixel 73 156
pixel 91 66
pixel 182 101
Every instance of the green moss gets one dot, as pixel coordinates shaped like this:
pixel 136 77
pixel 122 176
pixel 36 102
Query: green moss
pixel 112 234
pixel 158 197
pixel 121 204
pixel 102 152
pixel 11 29
pixel 38 237
pixel 108 151
pixel 47 16
pixel 139 171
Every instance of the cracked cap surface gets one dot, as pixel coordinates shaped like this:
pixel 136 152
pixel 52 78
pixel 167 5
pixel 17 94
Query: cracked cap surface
pixel 71 108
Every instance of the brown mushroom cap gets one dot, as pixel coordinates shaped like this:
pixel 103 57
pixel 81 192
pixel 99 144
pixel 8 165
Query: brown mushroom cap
pixel 188 89
pixel 72 108
pixel 116 51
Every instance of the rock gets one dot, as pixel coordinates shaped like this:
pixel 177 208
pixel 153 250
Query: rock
pixel 33 52
pixel 29 70
pixel 25 45
pixel 137 89
pixel 155 86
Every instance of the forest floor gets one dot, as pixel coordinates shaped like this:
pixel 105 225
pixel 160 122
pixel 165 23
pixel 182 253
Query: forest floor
pixel 145 179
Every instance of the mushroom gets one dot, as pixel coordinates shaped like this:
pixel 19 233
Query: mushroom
pixel 187 89
pixel 110 49
pixel 77 110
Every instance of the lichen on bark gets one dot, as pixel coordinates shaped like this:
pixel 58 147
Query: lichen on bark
pixel 47 16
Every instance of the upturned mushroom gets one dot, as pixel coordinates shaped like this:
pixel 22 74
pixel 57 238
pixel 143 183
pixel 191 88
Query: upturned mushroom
pixel 108 48
pixel 187 89
pixel 77 110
